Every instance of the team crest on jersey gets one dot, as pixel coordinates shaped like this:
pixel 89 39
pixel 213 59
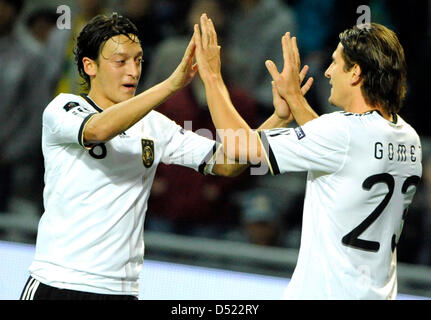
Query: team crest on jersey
pixel 147 152
pixel 299 133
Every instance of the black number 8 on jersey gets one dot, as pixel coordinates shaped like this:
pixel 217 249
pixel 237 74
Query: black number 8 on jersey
pixel 352 238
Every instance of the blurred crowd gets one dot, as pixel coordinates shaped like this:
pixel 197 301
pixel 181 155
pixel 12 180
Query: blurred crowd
pixel 37 63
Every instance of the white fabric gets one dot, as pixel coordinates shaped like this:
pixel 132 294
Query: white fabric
pixel 90 237
pixel 341 151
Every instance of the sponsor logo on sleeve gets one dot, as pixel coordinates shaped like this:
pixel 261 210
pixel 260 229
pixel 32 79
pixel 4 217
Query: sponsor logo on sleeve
pixel 299 133
pixel 70 105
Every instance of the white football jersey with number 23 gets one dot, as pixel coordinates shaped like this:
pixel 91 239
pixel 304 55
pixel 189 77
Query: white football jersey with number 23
pixel 362 175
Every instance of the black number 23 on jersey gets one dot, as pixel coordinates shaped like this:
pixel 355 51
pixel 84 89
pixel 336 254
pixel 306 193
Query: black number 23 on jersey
pixel 352 238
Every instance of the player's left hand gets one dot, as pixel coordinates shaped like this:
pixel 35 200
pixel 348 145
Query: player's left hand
pixel 281 106
pixel 288 82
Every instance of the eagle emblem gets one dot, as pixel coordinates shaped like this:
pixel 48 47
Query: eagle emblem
pixel 147 152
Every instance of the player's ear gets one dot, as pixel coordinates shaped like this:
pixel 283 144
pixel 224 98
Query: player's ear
pixel 356 74
pixel 90 66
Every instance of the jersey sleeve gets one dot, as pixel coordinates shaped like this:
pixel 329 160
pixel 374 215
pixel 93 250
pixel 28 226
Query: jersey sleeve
pixel 189 149
pixel 320 145
pixel 64 120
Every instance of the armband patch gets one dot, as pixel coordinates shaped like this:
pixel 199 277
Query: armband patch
pixel 299 133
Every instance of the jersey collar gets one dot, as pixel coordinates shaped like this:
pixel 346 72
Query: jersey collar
pixel 394 116
pixel 91 102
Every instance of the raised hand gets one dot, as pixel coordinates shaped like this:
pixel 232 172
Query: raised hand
pixel 186 70
pixel 281 106
pixel 288 82
pixel 207 49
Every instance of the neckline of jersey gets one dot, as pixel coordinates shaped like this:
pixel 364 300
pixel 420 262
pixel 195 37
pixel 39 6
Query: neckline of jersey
pixel 394 116
pixel 91 102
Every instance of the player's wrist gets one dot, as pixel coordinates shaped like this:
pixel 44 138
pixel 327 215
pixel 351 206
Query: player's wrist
pixel 282 121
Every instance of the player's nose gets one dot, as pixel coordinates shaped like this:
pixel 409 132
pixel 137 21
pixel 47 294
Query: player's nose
pixel 327 73
pixel 133 70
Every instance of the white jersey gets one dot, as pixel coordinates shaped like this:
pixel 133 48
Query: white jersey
pixel 362 175
pixel 90 237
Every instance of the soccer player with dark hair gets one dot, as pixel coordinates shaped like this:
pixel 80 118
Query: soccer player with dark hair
pixel 363 163
pixel 101 151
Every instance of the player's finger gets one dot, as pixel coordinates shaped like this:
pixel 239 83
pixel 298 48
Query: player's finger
pixel 210 31
pixel 290 60
pixel 213 32
pixel 272 69
pixel 197 37
pixel 295 52
pixel 204 28
pixel 285 50
pixel 307 86
pixel 187 60
pixel 190 50
pixel 288 45
pixel 303 73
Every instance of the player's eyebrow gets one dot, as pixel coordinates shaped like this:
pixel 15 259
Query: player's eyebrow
pixel 125 55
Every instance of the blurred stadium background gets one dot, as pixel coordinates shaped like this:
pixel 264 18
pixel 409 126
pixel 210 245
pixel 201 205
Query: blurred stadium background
pixel 249 225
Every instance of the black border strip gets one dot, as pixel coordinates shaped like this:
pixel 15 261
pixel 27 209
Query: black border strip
pixel 208 157
pixel 272 160
pixel 91 102
pixel 81 129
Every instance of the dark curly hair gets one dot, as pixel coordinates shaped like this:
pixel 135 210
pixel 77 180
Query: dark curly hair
pixel 380 55
pixel 95 34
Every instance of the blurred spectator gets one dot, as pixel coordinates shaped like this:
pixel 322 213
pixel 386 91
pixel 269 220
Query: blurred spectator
pixel 411 22
pixel 253 36
pixel 142 14
pixel 37 29
pixel 424 254
pixel 415 243
pixel 261 216
pixel 61 46
pixel 41 22
pixel 23 95
pixel 315 25
pixel 181 200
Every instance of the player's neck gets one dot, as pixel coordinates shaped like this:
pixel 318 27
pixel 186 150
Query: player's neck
pixel 100 99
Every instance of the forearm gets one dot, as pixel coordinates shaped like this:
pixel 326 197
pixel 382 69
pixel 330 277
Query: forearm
pixel 120 117
pixel 225 167
pixel 223 113
pixel 234 132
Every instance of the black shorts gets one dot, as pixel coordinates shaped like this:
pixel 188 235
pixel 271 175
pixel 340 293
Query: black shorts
pixel 36 290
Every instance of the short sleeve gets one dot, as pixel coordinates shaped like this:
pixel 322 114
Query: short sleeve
pixel 189 149
pixel 64 121
pixel 320 145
